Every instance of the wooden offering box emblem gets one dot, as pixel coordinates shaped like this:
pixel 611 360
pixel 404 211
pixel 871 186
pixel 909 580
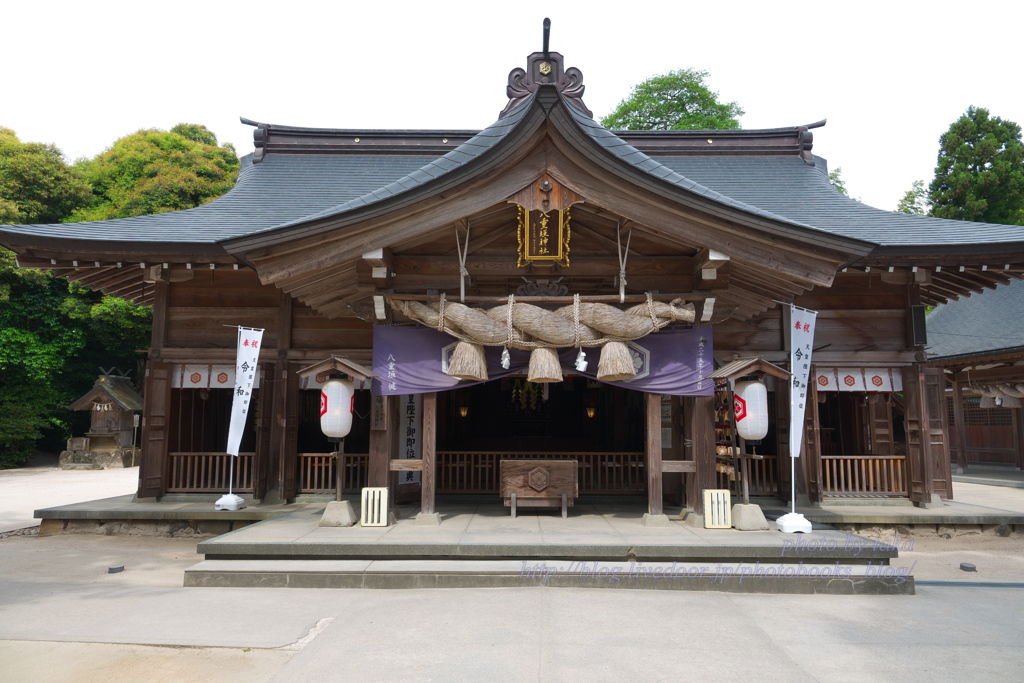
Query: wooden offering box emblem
pixel 539 483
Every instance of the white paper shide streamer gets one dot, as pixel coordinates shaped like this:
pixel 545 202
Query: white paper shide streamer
pixel 249 342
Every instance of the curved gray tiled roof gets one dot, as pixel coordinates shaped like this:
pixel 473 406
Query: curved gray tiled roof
pixel 461 155
pixel 990 321
pixel 786 185
pixel 278 190
pixel 288 189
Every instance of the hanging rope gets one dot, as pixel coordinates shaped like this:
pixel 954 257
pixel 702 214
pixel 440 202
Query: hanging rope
pixel 622 261
pixel 506 360
pixel 440 314
pixel 582 325
pixel 581 357
pixel 463 251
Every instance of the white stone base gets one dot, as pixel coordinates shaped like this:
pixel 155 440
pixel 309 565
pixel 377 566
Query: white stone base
pixel 339 513
pixel 748 518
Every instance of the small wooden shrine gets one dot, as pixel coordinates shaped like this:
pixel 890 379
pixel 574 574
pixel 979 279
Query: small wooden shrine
pixel 114 406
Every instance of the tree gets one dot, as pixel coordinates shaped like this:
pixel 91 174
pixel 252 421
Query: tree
pixel 53 336
pixel 915 201
pixel 979 175
pixel 678 100
pixel 36 184
pixel 835 178
pixel 153 171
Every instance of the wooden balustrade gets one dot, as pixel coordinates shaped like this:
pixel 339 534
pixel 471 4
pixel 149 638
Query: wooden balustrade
pixel 317 474
pixel 762 474
pixel 599 473
pixel 206 472
pixel 864 474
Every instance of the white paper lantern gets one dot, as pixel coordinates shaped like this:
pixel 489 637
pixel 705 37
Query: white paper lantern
pixel 750 403
pixel 337 403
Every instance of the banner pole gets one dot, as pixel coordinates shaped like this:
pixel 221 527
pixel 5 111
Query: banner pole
pixel 231 476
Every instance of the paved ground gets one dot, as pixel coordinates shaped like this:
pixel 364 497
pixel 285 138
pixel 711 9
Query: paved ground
pixel 64 618
pixel 25 490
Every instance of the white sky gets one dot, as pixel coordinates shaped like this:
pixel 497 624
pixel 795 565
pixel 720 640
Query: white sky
pixel 889 76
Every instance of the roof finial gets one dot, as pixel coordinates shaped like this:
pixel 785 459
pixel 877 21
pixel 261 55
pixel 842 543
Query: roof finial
pixel 547 37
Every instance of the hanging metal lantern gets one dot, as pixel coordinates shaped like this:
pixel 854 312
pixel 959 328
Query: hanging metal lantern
pixel 337 403
pixel 750 403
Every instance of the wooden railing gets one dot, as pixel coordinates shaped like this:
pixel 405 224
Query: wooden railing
pixel 316 472
pixel 599 473
pixel 863 474
pixel 762 475
pixel 206 472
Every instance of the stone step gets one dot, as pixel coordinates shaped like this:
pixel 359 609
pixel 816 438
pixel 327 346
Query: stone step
pixel 875 578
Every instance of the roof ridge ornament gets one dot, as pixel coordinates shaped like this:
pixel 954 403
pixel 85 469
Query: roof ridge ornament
pixel 543 68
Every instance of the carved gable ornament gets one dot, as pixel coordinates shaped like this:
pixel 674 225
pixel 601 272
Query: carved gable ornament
pixel 543 229
pixel 545 68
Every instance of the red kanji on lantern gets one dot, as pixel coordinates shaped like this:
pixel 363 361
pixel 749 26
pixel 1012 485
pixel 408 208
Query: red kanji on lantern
pixel 323 404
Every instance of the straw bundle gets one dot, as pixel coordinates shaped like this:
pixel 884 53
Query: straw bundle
pixel 476 323
pixel 538 322
pixel 544 366
pixel 685 313
pixel 616 362
pixel 468 362
pixel 610 320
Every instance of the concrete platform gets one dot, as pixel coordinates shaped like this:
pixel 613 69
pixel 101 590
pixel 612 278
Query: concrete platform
pixel 991 476
pixel 732 577
pixel 119 514
pixel 603 546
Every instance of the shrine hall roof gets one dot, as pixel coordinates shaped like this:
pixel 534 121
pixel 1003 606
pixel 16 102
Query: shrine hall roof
pixel 981 323
pixel 304 174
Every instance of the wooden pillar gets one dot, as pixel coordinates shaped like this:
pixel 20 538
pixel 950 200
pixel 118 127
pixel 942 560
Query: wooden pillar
pixel 960 425
pixel 920 483
pixel 380 440
pixel 652 404
pixel 428 453
pixel 156 403
pixel 289 431
pixel 700 421
pixel 155 424
pixel 810 453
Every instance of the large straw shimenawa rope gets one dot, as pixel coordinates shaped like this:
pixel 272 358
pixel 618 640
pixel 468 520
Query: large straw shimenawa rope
pixel 525 326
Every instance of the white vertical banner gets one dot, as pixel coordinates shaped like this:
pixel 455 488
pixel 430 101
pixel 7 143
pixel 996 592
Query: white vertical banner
pixel 801 336
pixel 249 341
pixel 411 435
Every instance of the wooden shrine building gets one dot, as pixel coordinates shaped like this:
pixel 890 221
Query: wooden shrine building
pixel 337 241
pixel 979 343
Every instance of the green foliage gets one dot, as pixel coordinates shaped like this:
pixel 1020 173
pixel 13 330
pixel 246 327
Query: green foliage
pixel 835 178
pixel 36 185
pixel 196 133
pixel 915 201
pixel 53 336
pixel 678 100
pixel 979 175
pixel 153 171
